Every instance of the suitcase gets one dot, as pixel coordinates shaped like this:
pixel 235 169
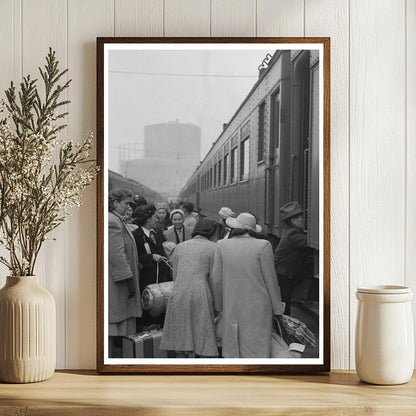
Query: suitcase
pixel 145 344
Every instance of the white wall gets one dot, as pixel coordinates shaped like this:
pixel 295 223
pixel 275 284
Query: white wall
pixel 373 132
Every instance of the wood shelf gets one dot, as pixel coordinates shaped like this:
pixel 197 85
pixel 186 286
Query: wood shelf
pixel 85 393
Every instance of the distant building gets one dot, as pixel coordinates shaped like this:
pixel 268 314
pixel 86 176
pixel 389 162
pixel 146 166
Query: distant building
pixel 171 153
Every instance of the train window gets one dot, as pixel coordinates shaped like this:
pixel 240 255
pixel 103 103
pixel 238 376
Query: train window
pixel 245 130
pixel 234 140
pixel 225 169
pixel 219 172
pixel 244 159
pixel 260 148
pixel 215 175
pixel 210 178
pixel 275 120
pixel 233 176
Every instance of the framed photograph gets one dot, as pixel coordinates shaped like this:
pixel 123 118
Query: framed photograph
pixel 213 205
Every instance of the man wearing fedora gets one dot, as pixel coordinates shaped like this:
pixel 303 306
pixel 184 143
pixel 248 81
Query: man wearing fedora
pixel 224 213
pixel 291 253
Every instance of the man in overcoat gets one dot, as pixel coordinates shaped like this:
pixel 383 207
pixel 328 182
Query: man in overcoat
pixel 291 253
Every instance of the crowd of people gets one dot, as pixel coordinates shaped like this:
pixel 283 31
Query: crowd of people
pixel 230 279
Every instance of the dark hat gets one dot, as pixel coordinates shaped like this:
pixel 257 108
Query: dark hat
pixel 205 227
pixel 291 209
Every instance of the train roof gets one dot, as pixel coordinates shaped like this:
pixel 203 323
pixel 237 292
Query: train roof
pixel 262 74
pixel 132 181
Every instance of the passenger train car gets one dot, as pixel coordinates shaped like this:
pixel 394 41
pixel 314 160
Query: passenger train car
pixel 116 180
pixel 268 154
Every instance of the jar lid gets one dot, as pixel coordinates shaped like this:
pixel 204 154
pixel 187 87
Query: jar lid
pixel 384 289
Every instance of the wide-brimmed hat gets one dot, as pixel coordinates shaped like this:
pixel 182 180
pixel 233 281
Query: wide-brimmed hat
pixel 244 221
pixel 226 212
pixel 291 209
pixel 176 211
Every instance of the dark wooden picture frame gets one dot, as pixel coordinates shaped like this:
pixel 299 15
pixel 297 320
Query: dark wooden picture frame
pixel 103 364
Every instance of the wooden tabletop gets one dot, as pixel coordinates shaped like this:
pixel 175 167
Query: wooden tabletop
pixel 85 393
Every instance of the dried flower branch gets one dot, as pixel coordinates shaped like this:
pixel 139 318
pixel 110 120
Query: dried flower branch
pixel 36 193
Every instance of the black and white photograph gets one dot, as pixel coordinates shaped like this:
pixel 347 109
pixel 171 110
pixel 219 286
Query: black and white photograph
pixel 213 203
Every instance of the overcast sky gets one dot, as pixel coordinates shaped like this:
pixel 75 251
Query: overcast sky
pixel 157 86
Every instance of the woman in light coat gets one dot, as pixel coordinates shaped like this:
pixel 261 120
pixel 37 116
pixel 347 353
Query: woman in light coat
pixel 245 290
pixel 189 324
pixel 124 304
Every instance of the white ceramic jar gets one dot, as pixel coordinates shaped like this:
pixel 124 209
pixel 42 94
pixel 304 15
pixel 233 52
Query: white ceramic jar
pixel 384 338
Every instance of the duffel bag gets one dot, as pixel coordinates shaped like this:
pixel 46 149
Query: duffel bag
pixel 155 297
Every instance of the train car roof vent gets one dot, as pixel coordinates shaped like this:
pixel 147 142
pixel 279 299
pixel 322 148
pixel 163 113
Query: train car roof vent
pixel 224 126
pixel 264 65
pixel 262 71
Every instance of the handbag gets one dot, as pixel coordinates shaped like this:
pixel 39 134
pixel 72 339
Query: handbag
pixel 155 297
pixel 292 330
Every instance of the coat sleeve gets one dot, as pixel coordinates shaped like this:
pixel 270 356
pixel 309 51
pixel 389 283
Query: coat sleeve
pixel 270 278
pixel 216 280
pixel 211 262
pixel 298 239
pixel 175 263
pixel 119 266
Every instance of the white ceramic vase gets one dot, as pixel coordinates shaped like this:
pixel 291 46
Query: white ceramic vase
pixel 27 331
pixel 384 342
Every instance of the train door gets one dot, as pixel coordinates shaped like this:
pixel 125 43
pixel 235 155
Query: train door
pixel 198 188
pixel 274 160
pixel 304 150
pixel 313 207
pixel 300 143
pixel 277 170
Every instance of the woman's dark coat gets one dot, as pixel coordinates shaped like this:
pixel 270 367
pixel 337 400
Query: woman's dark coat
pixel 148 271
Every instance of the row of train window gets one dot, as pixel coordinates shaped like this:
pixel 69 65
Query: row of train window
pixel 217 175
